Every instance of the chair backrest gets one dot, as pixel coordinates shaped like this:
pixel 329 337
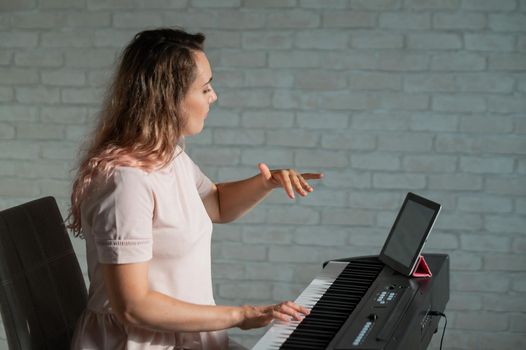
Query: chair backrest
pixel 42 291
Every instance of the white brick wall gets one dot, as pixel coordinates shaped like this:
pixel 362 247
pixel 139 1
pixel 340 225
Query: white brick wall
pixel 384 96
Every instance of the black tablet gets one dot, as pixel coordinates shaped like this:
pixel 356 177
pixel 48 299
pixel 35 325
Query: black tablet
pixel 409 233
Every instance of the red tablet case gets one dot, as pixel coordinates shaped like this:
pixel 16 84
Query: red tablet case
pixel 422 269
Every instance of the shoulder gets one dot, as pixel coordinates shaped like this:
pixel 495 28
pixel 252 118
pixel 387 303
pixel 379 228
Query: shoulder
pixel 182 161
pixel 127 173
pixel 181 155
pixel 132 173
pixel 127 179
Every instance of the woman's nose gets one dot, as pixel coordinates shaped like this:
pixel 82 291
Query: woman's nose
pixel 213 96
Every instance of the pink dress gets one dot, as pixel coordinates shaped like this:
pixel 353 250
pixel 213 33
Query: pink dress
pixel 157 217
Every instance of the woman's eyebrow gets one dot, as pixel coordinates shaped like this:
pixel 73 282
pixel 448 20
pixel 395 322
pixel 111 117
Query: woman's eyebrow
pixel 208 82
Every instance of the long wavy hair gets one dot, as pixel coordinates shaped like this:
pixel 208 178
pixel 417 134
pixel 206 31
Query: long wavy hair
pixel 140 123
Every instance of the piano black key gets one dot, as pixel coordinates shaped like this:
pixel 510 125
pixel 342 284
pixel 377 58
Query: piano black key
pixel 328 313
pixel 317 325
pixel 306 340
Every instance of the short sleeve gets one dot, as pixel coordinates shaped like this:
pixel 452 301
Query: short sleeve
pixel 203 183
pixel 122 218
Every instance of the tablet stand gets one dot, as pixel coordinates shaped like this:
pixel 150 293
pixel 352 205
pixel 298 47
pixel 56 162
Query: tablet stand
pixel 422 269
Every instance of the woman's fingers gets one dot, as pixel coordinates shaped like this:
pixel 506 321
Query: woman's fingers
pixel 286 182
pixel 297 307
pixel 260 316
pixel 292 312
pixel 289 310
pixel 305 184
pixel 265 171
pixel 300 187
pixel 289 179
pixel 280 316
pixel 312 176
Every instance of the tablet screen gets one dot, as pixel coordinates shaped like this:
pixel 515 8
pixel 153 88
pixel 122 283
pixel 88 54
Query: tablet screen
pixel 409 233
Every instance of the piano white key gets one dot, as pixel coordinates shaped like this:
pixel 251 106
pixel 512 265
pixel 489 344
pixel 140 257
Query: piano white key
pixel 279 332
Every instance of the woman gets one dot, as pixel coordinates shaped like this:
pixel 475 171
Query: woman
pixel 146 210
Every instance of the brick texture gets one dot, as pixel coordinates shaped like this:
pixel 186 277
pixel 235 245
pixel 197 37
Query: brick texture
pixel 383 96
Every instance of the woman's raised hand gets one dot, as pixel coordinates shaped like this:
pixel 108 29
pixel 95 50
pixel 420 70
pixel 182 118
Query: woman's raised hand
pixel 260 316
pixel 289 179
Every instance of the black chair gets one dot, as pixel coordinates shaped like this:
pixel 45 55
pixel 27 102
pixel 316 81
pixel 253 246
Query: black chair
pixel 42 291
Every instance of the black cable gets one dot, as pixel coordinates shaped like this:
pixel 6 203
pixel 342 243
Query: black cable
pixel 438 313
